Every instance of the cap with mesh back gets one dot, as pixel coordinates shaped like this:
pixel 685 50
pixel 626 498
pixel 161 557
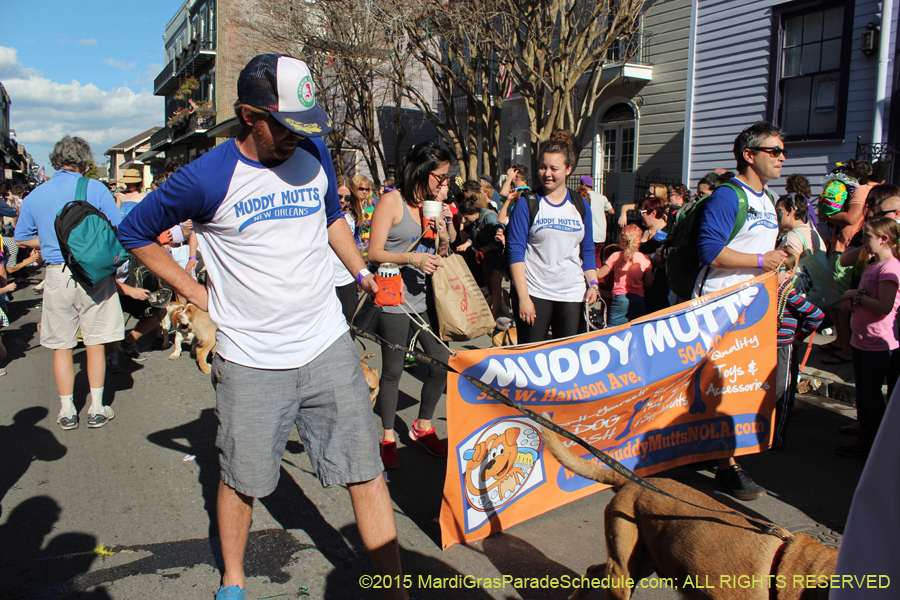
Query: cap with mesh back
pixel 283 86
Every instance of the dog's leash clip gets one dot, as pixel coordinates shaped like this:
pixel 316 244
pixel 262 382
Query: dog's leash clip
pixel 772 529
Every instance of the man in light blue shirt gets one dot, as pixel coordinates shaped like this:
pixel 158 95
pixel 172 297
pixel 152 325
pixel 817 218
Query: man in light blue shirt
pixel 68 306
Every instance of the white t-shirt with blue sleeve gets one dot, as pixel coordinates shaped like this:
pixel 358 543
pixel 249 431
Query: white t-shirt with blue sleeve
pixel 262 229
pixel 556 249
pixel 757 236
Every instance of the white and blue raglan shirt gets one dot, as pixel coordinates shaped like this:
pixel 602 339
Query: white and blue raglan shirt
pixel 262 231
pixel 757 236
pixel 556 250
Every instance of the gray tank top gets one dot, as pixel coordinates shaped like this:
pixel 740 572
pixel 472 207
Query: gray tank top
pixel 399 237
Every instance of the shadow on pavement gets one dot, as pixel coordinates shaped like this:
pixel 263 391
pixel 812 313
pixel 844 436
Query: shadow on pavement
pixel 288 504
pixel 26 564
pixel 22 443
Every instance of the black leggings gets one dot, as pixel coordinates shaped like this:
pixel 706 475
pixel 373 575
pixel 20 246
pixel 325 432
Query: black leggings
pixel 564 318
pixel 348 297
pixel 393 327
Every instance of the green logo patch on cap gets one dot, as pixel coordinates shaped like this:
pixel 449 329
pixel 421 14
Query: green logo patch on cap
pixel 305 92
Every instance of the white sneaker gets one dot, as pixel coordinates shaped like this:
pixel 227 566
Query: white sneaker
pixel 102 418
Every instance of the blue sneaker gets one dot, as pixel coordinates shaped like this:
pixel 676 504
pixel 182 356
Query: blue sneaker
pixel 102 418
pixel 232 592
pixel 68 422
pixel 131 351
pixel 112 364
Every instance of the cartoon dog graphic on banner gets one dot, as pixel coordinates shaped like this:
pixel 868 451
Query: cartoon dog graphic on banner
pixel 500 464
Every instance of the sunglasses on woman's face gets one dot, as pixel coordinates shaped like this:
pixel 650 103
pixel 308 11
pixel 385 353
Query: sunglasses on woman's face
pixel 343 197
pixel 362 189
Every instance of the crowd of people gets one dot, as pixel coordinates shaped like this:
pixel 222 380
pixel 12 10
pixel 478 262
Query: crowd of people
pixel 548 241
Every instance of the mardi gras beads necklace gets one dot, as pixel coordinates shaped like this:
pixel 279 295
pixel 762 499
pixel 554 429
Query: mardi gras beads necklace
pixel 783 292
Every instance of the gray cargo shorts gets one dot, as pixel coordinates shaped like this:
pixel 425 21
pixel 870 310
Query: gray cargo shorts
pixel 327 399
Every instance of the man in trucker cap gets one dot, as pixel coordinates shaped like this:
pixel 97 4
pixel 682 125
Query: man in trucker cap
pixel 265 208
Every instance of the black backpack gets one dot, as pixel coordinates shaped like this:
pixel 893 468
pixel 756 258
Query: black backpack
pixel 534 204
pixel 87 240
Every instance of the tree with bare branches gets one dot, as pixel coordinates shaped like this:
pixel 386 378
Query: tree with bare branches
pixel 368 54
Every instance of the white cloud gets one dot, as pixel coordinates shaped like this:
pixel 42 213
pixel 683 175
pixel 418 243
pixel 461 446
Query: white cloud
pixel 88 42
pixel 43 111
pixel 120 64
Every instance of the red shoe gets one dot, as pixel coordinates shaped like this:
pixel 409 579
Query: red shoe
pixel 856 448
pixel 429 439
pixel 389 454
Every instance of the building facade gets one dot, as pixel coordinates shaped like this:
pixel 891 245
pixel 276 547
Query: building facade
pixel 134 153
pixel 636 132
pixel 823 71
pixel 189 82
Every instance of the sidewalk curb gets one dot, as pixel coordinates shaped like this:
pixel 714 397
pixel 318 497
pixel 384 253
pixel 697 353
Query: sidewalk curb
pixel 822 386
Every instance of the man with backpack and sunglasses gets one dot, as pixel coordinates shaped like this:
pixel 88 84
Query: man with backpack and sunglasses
pixel 68 305
pixel 730 254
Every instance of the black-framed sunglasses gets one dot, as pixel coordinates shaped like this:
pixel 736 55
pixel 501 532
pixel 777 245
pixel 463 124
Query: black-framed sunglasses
pixel 885 213
pixel 362 189
pixel 773 151
pixel 441 179
pixel 348 197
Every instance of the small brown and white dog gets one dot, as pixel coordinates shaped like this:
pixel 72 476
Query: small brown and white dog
pixel 647 532
pixel 167 322
pixel 372 378
pixel 194 325
pixel 504 333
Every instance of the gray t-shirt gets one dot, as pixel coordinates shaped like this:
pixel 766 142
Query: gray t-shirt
pixel 399 237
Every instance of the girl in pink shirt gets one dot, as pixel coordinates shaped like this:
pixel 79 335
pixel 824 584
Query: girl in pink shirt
pixel 632 273
pixel 874 307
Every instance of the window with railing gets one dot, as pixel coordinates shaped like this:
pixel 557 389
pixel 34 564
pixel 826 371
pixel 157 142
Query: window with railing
pixel 626 48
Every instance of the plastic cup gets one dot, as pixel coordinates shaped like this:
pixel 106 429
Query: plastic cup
pixel 433 209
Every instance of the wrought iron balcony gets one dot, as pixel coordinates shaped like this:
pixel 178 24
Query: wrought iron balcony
pixel 160 138
pixel 191 59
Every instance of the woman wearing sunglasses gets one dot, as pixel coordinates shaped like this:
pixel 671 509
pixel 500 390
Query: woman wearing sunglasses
pixel 344 283
pixel 367 199
pixel 399 221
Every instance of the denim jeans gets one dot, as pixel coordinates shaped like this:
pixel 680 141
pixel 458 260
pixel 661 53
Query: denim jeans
pixel 625 308
pixel 870 369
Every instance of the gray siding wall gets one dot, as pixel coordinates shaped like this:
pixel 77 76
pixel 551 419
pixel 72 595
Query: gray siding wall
pixel 661 125
pixel 731 80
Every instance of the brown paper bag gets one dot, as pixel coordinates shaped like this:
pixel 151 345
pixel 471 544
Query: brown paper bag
pixel 463 313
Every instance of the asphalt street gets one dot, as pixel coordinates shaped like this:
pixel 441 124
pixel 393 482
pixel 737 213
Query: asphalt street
pixel 127 511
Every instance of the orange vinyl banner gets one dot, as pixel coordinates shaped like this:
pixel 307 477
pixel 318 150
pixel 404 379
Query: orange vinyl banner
pixel 693 382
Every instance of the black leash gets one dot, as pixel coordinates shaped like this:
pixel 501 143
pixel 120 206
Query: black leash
pixel 763 526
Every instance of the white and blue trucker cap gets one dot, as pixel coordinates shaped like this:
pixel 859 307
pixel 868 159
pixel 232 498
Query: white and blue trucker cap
pixel 283 86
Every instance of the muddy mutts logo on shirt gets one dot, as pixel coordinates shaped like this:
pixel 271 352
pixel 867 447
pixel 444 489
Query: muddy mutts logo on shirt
pixel 292 204
pixel 559 224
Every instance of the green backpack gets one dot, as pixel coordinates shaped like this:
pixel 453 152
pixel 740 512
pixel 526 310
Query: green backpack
pixel 88 240
pixel 682 260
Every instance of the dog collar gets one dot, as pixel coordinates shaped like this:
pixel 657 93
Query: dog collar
pixel 776 560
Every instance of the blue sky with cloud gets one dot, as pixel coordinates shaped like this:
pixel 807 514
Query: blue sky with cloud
pixel 82 68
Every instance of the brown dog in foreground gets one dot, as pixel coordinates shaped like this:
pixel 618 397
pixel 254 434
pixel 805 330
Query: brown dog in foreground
pixel 647 532
pixel 194 325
